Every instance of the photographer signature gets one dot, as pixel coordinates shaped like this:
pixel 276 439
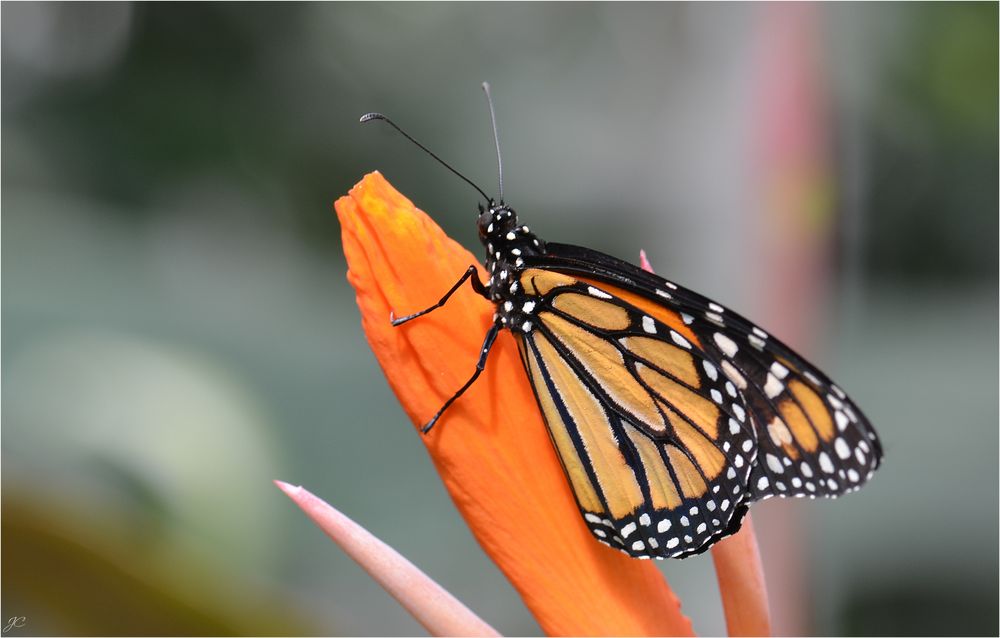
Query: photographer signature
pixel 15 622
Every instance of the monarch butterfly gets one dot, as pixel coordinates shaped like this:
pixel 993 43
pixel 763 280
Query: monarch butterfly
pixel 669 413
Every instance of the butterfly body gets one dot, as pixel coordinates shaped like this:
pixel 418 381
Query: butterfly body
pixel 508 244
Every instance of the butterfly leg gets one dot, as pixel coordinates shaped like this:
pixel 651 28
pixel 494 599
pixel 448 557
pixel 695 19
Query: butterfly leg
pixel 477 285
pixel 480 366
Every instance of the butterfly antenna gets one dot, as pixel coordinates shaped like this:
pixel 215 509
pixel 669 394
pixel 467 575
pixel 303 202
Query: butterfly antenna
pixel 367 117
pixel 496 137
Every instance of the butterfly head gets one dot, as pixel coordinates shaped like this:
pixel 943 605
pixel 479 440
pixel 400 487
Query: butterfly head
pixel 507 244
pixel 495 221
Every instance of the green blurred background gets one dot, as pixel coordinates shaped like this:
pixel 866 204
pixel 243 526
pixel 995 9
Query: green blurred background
pixel 178 331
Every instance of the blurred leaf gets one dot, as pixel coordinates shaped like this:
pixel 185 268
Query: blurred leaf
pixel 68 578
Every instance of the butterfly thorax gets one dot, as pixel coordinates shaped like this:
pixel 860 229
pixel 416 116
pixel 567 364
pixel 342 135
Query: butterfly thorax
pixel 507 244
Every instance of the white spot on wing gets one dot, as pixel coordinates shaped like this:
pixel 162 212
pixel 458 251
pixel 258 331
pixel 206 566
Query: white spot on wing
pixel 648 325
pixel 739 412
pixel 841 419
pixel 774 464
pixel 734 375
pixel 773 387
pixel 710 370
pixel 679 340
pixel 825 463
pixel 779 432
pixel 840 445
pixel 727 345
pixel 600 294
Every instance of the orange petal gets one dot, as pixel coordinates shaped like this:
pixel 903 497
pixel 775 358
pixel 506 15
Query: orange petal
pixel 491 448
pixel 738 570
pixel 431 605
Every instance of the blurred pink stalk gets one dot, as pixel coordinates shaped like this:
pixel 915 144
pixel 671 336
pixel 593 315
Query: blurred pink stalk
pixel 790 151
pixel 439 612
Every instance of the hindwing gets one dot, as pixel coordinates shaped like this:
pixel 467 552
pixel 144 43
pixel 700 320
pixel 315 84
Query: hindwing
pixel 654 438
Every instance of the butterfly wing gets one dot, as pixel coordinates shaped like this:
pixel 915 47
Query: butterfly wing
pixel 654 439
pixel 812 440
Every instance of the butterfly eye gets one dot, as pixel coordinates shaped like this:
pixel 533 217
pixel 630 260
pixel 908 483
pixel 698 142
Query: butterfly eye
pixel 485 222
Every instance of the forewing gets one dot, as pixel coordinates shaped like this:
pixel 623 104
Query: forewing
pixel 653 437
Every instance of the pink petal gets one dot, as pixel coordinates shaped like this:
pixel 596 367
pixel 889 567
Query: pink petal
pixel 433 607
